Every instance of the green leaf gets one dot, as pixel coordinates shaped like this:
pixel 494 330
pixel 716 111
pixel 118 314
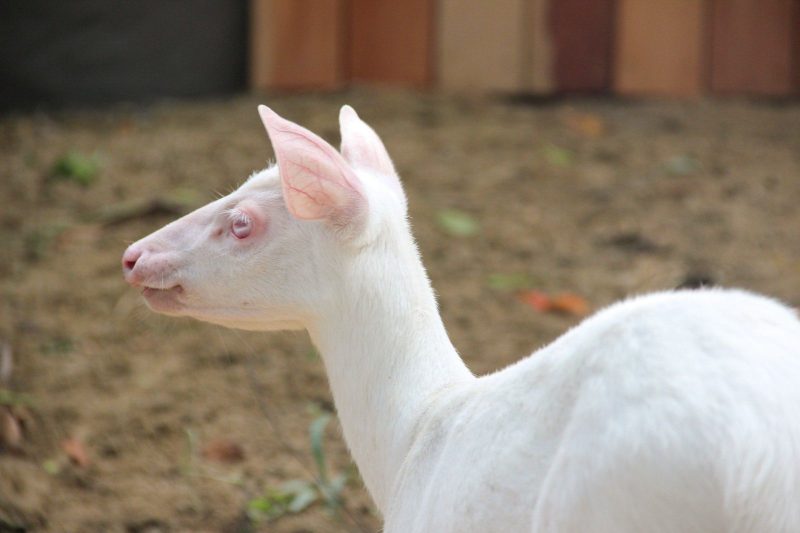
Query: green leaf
pixel 557 156
pixel 510 282
pixel 272 505
pixel 303 499
pixel 316 431
pixel 681 165
pixel 294 496
pixel 51 466
pixel 457 223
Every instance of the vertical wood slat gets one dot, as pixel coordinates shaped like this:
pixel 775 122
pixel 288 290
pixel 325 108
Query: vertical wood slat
pixel 751 46
pixel 480 44
pixel 582 40
pixel 297 44
pixel 796 46
pixel 537 48
pixel 659 47
pixel 391 41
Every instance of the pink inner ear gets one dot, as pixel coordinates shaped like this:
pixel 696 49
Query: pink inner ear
pixel 317 181
pixel 361 147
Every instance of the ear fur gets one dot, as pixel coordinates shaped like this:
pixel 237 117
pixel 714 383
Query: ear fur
pixel 362 148
pixel 317 181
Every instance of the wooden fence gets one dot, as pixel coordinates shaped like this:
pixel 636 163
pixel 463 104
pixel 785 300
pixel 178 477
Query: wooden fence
pixel 673 48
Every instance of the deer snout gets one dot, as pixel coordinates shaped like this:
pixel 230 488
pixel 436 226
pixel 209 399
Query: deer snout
pixel 129 260
pixel 148 268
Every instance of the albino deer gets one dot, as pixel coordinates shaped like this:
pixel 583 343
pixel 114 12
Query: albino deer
pixel 675 412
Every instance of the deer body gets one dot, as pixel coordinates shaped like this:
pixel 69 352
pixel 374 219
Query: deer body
pixel 675 412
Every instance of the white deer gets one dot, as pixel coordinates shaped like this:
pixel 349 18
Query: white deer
pixel 674 412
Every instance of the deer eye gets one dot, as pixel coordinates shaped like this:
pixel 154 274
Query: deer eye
pixel 241 226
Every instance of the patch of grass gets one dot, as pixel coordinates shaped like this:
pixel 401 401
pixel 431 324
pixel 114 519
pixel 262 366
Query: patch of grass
pixel 77 168
pixel 457 223
pixel 297 495
pixel 37 241
pixel 10 398
pixel 57 346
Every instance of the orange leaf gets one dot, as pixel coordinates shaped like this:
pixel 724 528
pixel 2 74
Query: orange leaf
pixel 76 452
pixel 565 303
pixel 586 124
pixel 536 299
pixel 570 304
pixel 223 451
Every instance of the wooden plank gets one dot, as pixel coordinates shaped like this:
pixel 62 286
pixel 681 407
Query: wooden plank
pixel 538 48
pixel 297 44
pixel 582 35
pixel 480 44
pixel 391 41
pixel 261 44
pixel 751 46
pixel 796 53
pixel 659 47
pixel 796 46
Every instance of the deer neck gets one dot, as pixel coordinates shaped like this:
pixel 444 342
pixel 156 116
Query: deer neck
pixel 386 352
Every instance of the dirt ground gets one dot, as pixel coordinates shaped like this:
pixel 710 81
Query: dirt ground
pixel 117 406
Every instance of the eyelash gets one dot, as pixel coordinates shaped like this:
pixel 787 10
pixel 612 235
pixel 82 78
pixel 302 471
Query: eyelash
pixel 240 220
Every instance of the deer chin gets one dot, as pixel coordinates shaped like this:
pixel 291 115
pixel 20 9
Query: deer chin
pixel 234 320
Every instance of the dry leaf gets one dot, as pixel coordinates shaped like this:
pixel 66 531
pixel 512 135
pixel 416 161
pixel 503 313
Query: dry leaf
pixel 223 451
pixel 536 299
pixel 6 363
pixel 586 124
pixel 570 304
pixel 10 430
pixel 564 303
pixel 76 452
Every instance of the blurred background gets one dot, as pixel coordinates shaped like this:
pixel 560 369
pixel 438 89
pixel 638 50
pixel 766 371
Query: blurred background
pixel 558 155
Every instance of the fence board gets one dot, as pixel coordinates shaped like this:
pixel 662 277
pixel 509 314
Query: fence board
pixel 751 46
pixel 480 44
pixel 297 44
pixel 582 38
pixel 391 41
pixel 659 47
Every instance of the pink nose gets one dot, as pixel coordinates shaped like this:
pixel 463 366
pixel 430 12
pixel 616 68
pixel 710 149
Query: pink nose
pixel 129 259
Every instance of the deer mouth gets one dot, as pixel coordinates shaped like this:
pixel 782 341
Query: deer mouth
pixel 163 300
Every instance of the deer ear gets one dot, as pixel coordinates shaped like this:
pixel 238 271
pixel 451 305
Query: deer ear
pixel 317 182
pixel 362 148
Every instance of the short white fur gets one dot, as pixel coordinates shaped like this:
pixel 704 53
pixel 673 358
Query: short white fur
pixel 673 412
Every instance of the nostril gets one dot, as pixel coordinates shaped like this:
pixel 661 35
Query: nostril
pixel 129 259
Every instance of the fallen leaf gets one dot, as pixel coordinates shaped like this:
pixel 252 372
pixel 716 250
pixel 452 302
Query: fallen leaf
pixel 536 299
pixel 6 363
pixel 586 124
pixel 457 222
pixel 223 451
pixel 682 165
pixel 76 452
pixel 10 430
pixel 564 303
pixel 557 156
pixel 509 282
pixel 51 466
pixel 570 304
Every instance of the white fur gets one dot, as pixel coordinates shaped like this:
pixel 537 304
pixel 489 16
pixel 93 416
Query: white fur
pixel 674 412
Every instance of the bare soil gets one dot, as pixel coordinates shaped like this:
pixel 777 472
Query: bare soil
pixel 599 198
